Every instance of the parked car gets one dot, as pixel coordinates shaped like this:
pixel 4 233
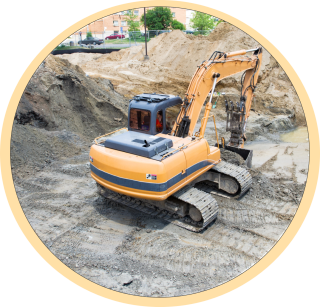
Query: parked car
pixel 189 32
pixel 115 36
pixel 91 41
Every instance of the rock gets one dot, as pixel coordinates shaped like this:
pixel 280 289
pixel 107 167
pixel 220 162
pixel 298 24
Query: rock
pixel 280 123
pixel 286 191
pixel 125 279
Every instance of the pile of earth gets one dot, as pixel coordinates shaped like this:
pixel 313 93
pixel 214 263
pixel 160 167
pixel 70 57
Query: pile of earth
pixel 59 114
pixel 173 60
pixel 231 157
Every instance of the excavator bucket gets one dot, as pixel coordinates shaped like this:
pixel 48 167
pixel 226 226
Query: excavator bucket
pixel 246 154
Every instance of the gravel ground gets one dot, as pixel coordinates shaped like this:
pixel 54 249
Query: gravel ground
pixel 131 252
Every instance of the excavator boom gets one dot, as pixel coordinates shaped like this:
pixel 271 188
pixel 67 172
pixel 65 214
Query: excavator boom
pixel 219 66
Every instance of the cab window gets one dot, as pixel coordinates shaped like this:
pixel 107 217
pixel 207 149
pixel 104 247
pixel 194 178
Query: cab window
pixel 159 121
pixel 140 119
pixel 171 116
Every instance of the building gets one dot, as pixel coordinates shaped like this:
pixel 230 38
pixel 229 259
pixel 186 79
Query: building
pixel 189 16
pixel 117 23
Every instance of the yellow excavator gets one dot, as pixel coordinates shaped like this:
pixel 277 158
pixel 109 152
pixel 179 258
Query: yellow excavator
pixel 158 165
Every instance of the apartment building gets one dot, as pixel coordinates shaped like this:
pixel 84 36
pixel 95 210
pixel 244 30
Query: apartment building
pixel 117 23
pixel 189 16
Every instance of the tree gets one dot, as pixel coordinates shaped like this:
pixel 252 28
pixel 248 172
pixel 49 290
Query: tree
pixel 201 21
pixel 89 34
pixel 133 24
pixel 177 25
pixel 158 18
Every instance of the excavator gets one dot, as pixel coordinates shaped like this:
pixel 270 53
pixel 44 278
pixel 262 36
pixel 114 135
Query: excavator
pixel 161 166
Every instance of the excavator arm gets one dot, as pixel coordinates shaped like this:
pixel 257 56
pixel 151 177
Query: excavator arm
pixel 219 66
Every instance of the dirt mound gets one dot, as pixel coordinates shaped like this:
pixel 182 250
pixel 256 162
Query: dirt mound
pixel 60 110
pixel 231 157
pixel 80 58
pixel 221 32
pixel 173 60
pixel 60 96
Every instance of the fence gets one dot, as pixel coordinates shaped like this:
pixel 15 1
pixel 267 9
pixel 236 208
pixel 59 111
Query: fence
pixel 116 40
pixel 136 37
pixel 153 33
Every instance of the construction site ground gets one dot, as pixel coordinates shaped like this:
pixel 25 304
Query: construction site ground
pixel 64 108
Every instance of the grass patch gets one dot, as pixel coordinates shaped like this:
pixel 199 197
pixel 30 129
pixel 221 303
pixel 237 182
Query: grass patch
pixel 118 47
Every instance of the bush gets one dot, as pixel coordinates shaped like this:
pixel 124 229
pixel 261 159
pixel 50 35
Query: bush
pixel 177 25
pixel 89 34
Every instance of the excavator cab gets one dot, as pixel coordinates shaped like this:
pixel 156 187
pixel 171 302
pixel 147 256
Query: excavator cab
pixel 153 113
pixel 148 115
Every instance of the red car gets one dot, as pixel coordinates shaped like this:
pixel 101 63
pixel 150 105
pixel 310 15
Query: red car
pixel 115 36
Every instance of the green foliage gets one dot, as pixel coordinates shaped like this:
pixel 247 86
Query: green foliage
pixel 158 18
pixel 89 34
pixel 133 24
pixel 177 25
pixel 201 21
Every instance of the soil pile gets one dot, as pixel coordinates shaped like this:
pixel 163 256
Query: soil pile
pixel 60 96
pixel 61 111
pixel 231 157
pixel 173 60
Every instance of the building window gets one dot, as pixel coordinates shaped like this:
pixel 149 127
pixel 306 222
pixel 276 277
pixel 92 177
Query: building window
pixel 173 14
pixel 115 23
pixel 136 12
pixel 123 23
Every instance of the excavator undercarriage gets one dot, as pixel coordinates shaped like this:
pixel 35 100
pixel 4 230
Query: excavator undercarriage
pixel 194 206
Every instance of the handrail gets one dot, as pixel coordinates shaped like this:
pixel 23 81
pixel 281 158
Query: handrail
pixel 99 137
pixel 215 127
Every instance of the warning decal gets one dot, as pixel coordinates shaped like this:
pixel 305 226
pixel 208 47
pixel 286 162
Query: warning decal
pixel 151 176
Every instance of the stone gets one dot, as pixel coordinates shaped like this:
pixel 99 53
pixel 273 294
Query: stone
pixel 125 279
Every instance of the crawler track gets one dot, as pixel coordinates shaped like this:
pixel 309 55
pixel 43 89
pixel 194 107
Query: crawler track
pixel 240 174
pixel 200 197
pixel 203 201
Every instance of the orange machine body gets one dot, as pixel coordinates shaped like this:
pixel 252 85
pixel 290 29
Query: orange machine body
pixel 142 177
pixel 123 168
